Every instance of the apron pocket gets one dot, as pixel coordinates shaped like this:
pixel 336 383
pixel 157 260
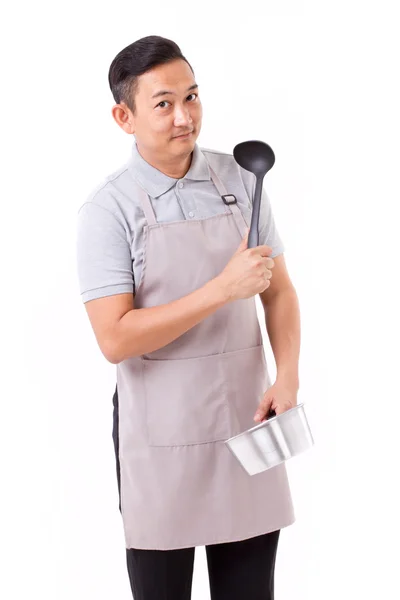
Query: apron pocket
pixel 186 401
pixel 204 399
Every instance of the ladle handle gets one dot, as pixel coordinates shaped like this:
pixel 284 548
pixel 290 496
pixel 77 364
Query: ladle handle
pixel 253 239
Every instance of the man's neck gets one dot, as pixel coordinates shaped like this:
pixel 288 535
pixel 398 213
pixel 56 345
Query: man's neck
pixel 176 168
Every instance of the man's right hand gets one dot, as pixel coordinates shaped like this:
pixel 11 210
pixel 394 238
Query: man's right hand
pixel 248 272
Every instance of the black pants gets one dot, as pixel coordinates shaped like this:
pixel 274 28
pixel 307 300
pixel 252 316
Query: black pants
pixel 241 570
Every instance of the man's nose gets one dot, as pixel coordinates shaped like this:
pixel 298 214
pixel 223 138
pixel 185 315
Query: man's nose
pixel 182 116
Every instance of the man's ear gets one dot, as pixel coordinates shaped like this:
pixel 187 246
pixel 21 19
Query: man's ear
pixel 123 117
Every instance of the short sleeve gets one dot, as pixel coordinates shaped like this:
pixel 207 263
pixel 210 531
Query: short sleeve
pixel 267 229
pixel 103 254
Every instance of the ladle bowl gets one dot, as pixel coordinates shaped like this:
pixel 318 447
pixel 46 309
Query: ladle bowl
pixel 258 158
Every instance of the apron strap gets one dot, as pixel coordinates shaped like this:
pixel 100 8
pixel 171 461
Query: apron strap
pixel 146 205
pixel 233 208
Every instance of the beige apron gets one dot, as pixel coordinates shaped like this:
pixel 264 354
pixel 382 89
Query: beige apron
pixel 180 484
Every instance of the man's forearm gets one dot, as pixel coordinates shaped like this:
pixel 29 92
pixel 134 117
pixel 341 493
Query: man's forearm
pixel 282 318
pixel 143 330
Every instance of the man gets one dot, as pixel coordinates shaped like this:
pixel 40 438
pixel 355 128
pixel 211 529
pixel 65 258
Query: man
pixel 169 284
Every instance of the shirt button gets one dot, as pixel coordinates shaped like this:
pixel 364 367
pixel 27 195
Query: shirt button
pixel 191 214
pixel 180 184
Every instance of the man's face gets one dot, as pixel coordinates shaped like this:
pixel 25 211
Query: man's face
pixel 160 117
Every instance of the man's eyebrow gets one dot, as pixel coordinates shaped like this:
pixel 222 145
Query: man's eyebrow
pixel 165 92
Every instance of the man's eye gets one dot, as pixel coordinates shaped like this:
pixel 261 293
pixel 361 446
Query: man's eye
pixel 163 103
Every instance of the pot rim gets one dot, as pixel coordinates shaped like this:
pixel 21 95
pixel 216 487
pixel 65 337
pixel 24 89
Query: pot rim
pixel 265 423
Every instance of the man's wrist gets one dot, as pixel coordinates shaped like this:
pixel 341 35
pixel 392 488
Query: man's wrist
pixel 220 290
pixel 288 378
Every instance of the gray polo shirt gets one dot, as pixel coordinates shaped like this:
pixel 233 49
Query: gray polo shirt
pixel 111 220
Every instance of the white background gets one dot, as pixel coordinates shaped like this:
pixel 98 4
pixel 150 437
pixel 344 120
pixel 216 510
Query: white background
pixel 319 82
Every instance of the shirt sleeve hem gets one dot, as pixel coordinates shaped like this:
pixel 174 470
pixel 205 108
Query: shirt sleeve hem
pixel 277 251
pixel 109 290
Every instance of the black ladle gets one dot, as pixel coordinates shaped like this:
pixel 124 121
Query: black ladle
pixel 258 158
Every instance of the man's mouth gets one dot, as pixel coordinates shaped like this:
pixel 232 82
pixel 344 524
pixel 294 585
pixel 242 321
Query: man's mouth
pixel 185 134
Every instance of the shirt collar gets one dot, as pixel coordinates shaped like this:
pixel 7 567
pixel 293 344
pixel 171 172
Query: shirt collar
pixel 156 183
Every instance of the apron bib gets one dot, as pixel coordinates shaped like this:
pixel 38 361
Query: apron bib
pixel 180 486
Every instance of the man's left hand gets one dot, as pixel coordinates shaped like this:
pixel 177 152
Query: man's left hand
pixel 280 397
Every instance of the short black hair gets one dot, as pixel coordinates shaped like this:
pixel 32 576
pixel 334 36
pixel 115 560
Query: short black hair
pixel 136 59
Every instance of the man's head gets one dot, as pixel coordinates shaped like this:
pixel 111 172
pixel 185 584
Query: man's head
pixel 156 96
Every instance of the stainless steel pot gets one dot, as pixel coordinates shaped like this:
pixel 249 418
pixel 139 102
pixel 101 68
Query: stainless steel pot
pixel 273 441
